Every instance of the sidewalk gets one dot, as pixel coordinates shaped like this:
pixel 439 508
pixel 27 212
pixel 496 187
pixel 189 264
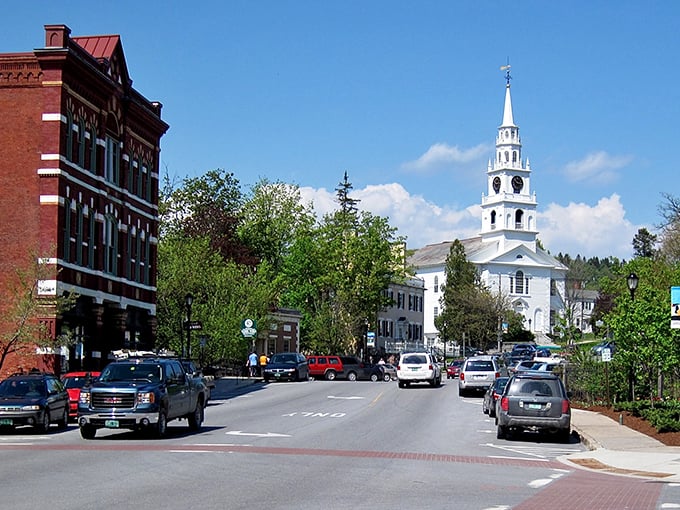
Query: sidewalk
pixel 617 449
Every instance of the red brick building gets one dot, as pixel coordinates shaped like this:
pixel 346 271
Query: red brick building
pixel 79 189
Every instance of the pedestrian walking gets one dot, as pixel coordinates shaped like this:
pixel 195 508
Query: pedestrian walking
pixel 252 364
pixel 263 363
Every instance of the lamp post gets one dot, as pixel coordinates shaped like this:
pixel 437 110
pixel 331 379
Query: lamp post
pixel 632 282
pixel 188 301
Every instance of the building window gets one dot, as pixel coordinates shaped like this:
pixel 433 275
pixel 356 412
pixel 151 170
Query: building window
pixel 147 260
pixel 140 180
pixel 132 167
pixel 110 244
pixel 80 220
pixel 92 236
pixel 93 150
pixel 69 136
pixel 148 185
pixel 67 230
pixel 112 160
pixel 81 144
pixel 519 219
pixel 436 311
pixel 129 258
pixel 436 284
pixel 138 251
pixel 519 282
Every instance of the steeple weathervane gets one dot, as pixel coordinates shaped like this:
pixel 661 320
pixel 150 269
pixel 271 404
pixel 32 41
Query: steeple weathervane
pixel 506 68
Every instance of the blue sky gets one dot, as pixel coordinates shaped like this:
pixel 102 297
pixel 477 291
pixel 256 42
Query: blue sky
pixel 406 97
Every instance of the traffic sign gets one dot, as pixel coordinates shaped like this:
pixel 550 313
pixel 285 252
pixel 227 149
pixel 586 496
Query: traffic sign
pixel 193 325
pixel 249 328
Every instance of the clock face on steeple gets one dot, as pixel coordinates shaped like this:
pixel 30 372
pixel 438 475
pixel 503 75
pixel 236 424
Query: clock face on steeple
pixel 517 184
pixel 496 184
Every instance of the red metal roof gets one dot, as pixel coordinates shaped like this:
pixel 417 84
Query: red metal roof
pixel 99 46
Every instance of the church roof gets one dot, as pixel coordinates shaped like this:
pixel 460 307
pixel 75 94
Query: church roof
pixel 434 255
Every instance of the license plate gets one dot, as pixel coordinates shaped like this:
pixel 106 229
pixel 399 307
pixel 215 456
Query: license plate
pixel 414 369
pixel 112 424
pixel 534 406
pixel 277 376
pixel 6 421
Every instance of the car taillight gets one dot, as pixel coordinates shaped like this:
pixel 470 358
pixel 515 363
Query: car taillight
pixel 495 395
pixel 565 406
pixel 498 374
pixel 504 404
pixel 430 367
pixel 462 376
pixel 398 367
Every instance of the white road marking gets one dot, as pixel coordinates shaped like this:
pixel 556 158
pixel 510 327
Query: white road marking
pixel 346 398
pixel 516 458
pixel 541 482
pixel 254 434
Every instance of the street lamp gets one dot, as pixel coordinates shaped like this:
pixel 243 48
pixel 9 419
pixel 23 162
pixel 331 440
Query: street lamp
pixel 632 282
pixel 188 301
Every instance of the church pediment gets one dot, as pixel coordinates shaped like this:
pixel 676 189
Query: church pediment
pixel 522 256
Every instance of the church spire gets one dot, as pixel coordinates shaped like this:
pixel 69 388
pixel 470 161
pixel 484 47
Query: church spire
pixel 507 110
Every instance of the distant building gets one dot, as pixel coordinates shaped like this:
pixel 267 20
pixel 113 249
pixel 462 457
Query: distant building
pixel 506 252
pixel 79 189
pixel 400 326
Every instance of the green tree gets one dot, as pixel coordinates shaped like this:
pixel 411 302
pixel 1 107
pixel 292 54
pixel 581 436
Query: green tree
pixel 272 216
pixel 644 243
pixel 24 306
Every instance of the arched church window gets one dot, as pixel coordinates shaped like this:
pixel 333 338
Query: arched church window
pixel 519 216
pixel 507 156
pixel 493 219
pixel 514 156
pixel 519 282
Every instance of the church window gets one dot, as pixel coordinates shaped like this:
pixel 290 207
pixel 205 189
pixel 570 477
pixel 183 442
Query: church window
pixel 519 282
pixel 519 217
pixel 514 156
pixel 507 156
pixel 493 219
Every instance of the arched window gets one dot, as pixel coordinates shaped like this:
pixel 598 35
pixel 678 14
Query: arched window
pixel 507 156
pixel 110 244
pixel 514 156
pixel 81 144
pixel 93 150
pixel 519 282
pixel 69 136
pixel 493 219
pixel 519 217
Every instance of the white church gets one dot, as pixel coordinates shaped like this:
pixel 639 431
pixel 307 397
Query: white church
pixel 505 252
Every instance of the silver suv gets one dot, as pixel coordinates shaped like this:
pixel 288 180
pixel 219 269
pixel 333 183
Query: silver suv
pixel 476 374
pixel 416 367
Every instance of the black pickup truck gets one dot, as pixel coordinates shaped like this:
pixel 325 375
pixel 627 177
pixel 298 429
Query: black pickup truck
pixel 141 394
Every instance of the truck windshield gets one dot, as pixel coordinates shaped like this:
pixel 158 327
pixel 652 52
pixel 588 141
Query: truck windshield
pixel 131 372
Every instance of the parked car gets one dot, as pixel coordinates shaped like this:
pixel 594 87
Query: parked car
pixel 477 374
pixel 534 401
pixel 291 366
pixel 37 400
pixel 417 367
pixel 453 370
pixel 493 393
pixel 74 382
pixel 326 367
pixel 390 371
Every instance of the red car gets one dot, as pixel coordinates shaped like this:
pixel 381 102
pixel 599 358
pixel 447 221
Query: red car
pixel 73 381
pixel 453 370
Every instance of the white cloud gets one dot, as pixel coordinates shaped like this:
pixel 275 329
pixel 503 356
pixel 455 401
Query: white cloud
pixel 597 230
pixel 597 167
pixel 442 155
pixel 600 230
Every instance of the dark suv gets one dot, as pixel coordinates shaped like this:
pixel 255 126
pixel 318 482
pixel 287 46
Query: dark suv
pixel 534 401
pixel 35 399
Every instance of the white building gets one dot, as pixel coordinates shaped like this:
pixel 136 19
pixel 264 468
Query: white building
pixel 506 253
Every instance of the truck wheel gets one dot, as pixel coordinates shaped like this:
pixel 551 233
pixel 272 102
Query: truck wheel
pixel 162 425
pixel 88 432
pixel 330 375
pixel 196 418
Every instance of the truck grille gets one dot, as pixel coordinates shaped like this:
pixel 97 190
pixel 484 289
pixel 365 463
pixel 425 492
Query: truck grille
pixel 105 400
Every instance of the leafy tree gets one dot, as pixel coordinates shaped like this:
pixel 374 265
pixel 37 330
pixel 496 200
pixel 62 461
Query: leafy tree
pixel 669 210
pixel 467 306
pixel 24 306
pixel 644 243
pixel 272 216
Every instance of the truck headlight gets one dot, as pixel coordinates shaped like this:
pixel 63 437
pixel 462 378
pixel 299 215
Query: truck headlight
pixel 146 397
pixel 84 398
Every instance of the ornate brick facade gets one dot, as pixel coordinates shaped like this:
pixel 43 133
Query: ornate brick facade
pixel 79 185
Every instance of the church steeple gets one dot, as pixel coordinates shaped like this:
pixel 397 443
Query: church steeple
pixel 509 209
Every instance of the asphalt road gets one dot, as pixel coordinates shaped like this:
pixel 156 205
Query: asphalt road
pixel 311 445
